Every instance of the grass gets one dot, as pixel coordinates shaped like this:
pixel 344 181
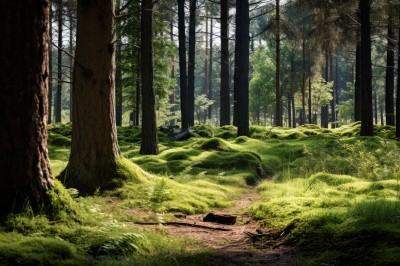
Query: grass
pixel 337 192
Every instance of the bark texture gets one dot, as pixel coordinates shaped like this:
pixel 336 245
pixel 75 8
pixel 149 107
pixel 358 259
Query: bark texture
pixel 94 150
pixel 389 78
pixel 225 106
pixel 149 126
pixel 25 175
pixel 182 66
pixel 278 101
pixel 367 126
pixel 191 59
pixel 241 75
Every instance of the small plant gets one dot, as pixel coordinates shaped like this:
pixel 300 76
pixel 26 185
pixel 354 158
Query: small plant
pixel 158 194
pixel 124 245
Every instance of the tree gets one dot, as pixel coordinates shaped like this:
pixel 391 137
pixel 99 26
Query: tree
pixel 191 59
pixel 225 107
pixel 25 176
pixel 57 109
pixel 94 152
pixel 149 125
pixel 398 91
pixel 278 104
pixel 389 78
pixel 241 75
pixel 367 127
pixel 182 66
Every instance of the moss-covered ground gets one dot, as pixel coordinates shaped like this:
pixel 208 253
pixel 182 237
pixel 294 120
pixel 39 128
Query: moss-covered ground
pixel 336 195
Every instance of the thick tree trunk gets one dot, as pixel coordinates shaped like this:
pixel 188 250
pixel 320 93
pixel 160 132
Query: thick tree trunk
pixel 278 101
pixel 241 76
pixel 389 88
pixel 94 151
pixel 25 175
pixel 182 66
pixel 367 127
pixel 191 59
pixel 225 107
pixel 149 124
pixel 58 106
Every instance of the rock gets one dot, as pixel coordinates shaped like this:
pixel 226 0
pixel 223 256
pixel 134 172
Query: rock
pixel 220 218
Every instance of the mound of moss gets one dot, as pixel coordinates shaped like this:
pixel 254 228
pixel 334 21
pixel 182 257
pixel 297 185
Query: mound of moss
pixel 216 144
pixel 332 179
pixel 59 140
pixel 204 131
pixel 60 129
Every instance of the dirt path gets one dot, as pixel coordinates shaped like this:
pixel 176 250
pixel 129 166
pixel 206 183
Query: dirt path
pixel 236 247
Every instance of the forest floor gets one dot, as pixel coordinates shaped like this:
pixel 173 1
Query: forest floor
pixel 244 243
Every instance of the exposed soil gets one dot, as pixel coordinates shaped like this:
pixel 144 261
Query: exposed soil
pixel 246 243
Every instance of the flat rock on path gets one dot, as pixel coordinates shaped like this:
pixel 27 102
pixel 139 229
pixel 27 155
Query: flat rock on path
pixel 233 247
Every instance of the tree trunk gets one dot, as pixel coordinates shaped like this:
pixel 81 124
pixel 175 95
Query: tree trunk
pixel 71 61
pixel 225 107
pixel 118 79
pixel 182 66
pixel 241 76
pixel 303 83
pixel 206 69
pixel 50 85
pixel 191 59
pixel 367 127
pixel 149 124
pixel 333 101
pixel 94 151
pixel 389 88
pixel 278 101
pixel 138 90
pixel 398 91
pixel 25 176
pixel 357 84
pixel 310 120
pixel 210 75
pixel 58 106
pixel 172 77
pixel 324 109
pixel 292 91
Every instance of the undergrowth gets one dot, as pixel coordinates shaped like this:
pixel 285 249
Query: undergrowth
pixel 333 192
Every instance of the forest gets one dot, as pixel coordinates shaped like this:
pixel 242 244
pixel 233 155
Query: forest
pixel 200 132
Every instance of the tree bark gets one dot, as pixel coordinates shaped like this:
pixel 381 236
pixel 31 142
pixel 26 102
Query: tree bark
pixel 50 85
pixel 367 127
pixel 225 116
pixel 71 61
pixel 389 78
pixel 292 91
pixel 182 67
pixel 94 151
pixel 333 101
pixel 25 176
pixel 138 90
pixel 398 90
pixel 58 106
pixel 278 100
pixel 241 76
pixel 149 125
pixel 303 82
pixel 191 59
pixel 206 87
pixel 210 74
pixel 172 77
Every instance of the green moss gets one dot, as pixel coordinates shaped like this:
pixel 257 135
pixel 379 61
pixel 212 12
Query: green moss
pixel 59 140
pixel 204 131
pixel 37 251
pixel 242 139
pixel 332 179
pixel 216 144
pixel 129 171
pixel 60 129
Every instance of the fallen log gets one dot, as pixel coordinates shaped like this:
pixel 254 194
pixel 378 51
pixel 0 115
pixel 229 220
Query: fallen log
pixel 220 218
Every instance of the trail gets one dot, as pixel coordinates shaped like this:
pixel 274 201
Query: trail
pixel 235 247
